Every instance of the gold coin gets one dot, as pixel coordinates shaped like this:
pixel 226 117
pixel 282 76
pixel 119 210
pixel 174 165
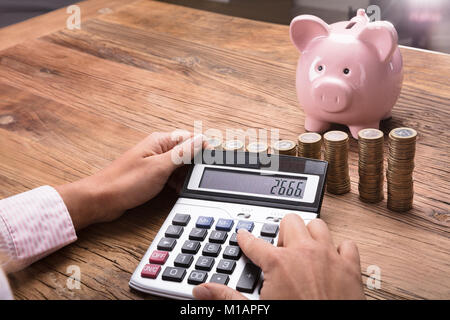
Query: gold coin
pixel 257 147
pixel 287 147
pixel 370 134
pixel 233 145
pixel 214 142
pixel 403 134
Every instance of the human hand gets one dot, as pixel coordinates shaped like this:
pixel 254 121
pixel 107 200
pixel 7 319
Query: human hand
pixel 305 265
pixel 131 180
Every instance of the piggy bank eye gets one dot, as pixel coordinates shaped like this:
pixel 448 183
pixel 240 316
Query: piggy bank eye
pixel 320 68
pixel 346 71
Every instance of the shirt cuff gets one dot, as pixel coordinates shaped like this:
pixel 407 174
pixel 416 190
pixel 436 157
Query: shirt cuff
pixel 33 224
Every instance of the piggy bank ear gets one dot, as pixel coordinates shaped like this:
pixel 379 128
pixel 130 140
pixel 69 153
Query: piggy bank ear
pixel 305 28
pixel 383 36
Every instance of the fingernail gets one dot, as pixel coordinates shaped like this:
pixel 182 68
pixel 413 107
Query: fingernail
pixel 242 231
pixel 202 293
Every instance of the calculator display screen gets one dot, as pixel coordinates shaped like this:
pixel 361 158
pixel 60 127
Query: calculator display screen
pixel 282 186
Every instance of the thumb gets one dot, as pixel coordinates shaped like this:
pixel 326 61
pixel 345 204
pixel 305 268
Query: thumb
pixel 215 291
pixel 184 152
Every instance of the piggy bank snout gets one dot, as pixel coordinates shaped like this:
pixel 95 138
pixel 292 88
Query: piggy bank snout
pixel 332 95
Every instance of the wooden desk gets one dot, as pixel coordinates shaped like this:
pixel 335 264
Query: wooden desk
pixel 72 101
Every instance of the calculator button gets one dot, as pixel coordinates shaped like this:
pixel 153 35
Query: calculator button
pixel 220 278
pixel 218 236
pixel 174 274
pixel 226 266
pixel 190 246
pixel 150 271
pixel 249 278
pixel 224 224
pixel 183 260
pixel 269 240
pixel 204 263
pixel 269 230
pixel 232 252
pixel 198 234
pixel 212 249
pixel 174 231
pixel 159 257
pixel 197 277
pixel 248 225
pixel 181 219
pixel 233 239
pixel 166 244
pixel 204 222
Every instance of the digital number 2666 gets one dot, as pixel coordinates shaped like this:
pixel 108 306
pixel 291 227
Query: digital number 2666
pixel 286 188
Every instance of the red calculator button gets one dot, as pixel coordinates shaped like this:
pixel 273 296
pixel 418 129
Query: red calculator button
pixel 151 271
pixel 159 257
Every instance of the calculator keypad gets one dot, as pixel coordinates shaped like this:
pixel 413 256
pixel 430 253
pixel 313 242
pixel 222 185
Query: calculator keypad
pixel 174 231
pixel 269 230
pixel 220 278
pixel 247 225
pixel 190 246
pixel 197 277
pixel 181 219
pixel 203 248
pixel 159 257
pixel 211 249
pixel 232 252
pixel 198 234
pixel 174 274
pixel 249 278
pixel 183 260
pixel 204 263
pixel 166 244
pixel 204 222
pixel 218 236
pixel 226 266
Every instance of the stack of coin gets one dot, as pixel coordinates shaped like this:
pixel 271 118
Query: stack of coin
pixel 336 153
pixel 214 142
pixel 233 145
pixel 257 147
pixel 309 145
pixel 370 165
pixel 402 148
pixel 287 147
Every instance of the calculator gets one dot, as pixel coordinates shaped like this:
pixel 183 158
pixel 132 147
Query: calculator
pixel 197 242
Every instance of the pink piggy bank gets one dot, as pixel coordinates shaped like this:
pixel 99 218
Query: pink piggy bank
pixel 349 72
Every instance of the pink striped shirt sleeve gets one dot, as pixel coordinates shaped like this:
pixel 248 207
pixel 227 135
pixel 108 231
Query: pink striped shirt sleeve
pixel 33 224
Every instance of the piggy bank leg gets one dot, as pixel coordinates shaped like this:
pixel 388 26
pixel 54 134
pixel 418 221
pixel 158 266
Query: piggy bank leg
pixel 355 129
pixel 387 115
pixel 315 125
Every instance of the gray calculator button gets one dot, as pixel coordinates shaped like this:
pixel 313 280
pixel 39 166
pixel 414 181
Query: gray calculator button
pixel 269 230
pixel 183 260
pixel 226 266
pixel 211 249
pixel 181 219
pixel 174 231
pixel 190 246
pixel 166 244
pixel 204 263
pixel 268 239
pixel 197 277
pixel 220 278
pixel 198 234
pixel 232 252
pixel 174 274
pixel 249 278
pixel 233 239
pixel 218 236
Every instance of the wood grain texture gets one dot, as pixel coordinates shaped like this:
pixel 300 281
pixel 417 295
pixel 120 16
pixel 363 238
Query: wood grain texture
pixel 71 101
